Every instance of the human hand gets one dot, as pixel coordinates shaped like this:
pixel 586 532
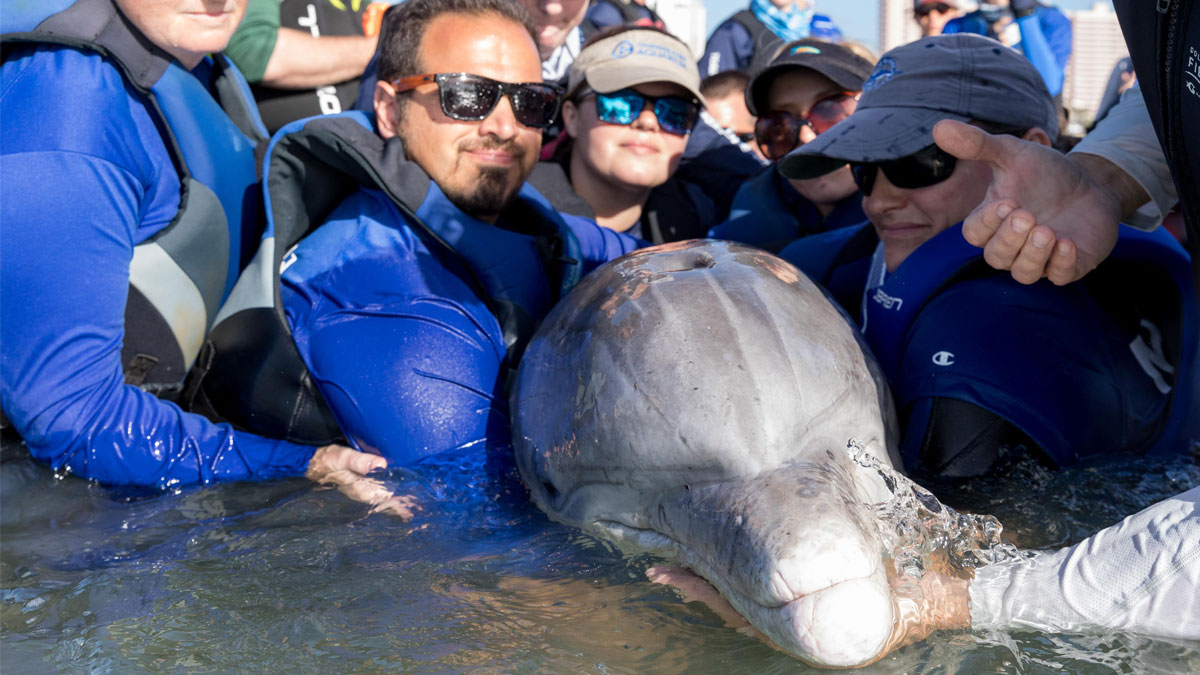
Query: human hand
pixel 936 602
pixel 1043 215
pixel 346 469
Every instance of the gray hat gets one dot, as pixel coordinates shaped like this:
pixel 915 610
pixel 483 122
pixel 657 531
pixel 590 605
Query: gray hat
pixel 960 77
pixel 842 66
pixel 634 57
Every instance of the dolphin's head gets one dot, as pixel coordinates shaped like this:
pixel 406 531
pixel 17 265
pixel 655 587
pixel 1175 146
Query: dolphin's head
pixel 696 400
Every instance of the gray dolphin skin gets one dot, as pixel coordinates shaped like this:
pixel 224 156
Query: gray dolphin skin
pixel 695 400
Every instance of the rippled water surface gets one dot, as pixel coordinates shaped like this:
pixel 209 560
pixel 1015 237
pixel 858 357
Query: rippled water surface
pixel 269 577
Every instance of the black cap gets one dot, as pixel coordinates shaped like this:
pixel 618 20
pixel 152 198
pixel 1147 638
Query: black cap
pixel 847 69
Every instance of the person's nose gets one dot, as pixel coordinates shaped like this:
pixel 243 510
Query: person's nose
pixel 552 8
pixel 884 197
pixel 502 123
pixel 646 120
pixel 807 135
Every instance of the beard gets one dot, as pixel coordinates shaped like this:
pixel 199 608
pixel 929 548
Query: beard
pixel 491 191
pixel 492 187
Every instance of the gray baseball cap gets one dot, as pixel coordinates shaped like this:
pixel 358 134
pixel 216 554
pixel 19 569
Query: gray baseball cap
pixel 960 77
pixel 634 57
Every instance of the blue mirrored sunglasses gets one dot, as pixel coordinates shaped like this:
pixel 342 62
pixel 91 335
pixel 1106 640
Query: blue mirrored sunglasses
pixel 675 114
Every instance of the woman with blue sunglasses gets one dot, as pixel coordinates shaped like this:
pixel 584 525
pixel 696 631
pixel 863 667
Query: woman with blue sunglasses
pixel 633 97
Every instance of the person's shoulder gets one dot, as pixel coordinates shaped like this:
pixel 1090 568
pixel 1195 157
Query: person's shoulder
pixel 731 29
pixel 603 13
pixel 366 226
pixel 62 98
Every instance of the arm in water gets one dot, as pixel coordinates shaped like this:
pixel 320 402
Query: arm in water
pixel 77 192
pixel 1141 575
pixel 1053 215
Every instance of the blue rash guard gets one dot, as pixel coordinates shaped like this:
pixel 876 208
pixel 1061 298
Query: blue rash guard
pixel 85 177
pixel 1046 40
pixel 769 213
pixel 1096 367
pixel 406 353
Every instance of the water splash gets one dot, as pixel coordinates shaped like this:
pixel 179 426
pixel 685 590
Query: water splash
pixel 921 533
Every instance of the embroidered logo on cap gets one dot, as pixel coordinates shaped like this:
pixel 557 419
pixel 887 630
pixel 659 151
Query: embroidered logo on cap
pixel 624 48
pixel 805 49
pixel 884 71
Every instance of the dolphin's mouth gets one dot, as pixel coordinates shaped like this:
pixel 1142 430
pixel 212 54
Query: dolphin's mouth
pixel 808 575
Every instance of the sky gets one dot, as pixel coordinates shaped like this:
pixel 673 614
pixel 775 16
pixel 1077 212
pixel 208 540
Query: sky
pixel 858 19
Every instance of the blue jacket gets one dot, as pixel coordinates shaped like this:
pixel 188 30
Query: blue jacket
pixel 769 213
pixel 405 312
pixel 742 42
pixel 1046 40
pixel 605 13
pixel 1100 366
pixel 99 254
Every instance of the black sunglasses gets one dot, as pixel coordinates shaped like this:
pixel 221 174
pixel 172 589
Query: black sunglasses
pixel 471 98
pixel 918 170
pixel 940 8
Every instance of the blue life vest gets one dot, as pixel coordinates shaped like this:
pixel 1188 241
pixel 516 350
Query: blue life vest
pixel 179 277
pixel 253 375
pixel 1135 273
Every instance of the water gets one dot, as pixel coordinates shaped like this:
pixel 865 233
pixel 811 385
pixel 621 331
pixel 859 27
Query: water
pixel 279 576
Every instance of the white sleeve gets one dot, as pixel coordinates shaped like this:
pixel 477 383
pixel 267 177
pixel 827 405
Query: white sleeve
pixel 1126 138
pixel 1141 576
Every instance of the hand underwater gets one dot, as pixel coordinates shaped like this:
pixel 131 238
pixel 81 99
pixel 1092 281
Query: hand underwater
pixel 346 469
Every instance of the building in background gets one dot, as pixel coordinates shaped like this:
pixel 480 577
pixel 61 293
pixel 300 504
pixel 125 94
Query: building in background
pixel 1098 46
pixel 896 24
pixel 687 19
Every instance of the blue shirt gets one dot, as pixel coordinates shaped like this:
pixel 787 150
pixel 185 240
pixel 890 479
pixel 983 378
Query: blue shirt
pixel 768 212
pixel 84 178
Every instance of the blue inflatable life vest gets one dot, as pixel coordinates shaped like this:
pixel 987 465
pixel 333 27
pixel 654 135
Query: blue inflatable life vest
pixel 180 276
pixel 1143 285
pixel 251 373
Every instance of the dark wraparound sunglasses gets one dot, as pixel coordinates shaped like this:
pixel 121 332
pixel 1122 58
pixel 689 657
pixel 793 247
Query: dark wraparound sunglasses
pixel 939 7
pixel 471 98
pixel 675 114
pixel 778 132
pixel 921 169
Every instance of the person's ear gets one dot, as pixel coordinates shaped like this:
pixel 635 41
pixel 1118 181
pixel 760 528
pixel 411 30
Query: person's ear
pixel 386 109
pixel 1037 135
pixel 570 118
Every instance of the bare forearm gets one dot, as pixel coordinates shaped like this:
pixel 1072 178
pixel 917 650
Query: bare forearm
pixel 300 61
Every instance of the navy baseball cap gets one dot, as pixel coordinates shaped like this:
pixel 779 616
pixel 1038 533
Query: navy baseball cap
pixel 845 68
pixel 960 77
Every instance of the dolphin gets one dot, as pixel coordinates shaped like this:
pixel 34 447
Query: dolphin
pixel 696 400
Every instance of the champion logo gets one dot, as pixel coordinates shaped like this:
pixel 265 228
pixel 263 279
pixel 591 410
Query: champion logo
pixel 943 359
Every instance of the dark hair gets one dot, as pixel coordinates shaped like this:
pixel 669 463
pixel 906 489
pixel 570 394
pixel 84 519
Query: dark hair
pixel 404 26
pixel 725 83
pixel 623 28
